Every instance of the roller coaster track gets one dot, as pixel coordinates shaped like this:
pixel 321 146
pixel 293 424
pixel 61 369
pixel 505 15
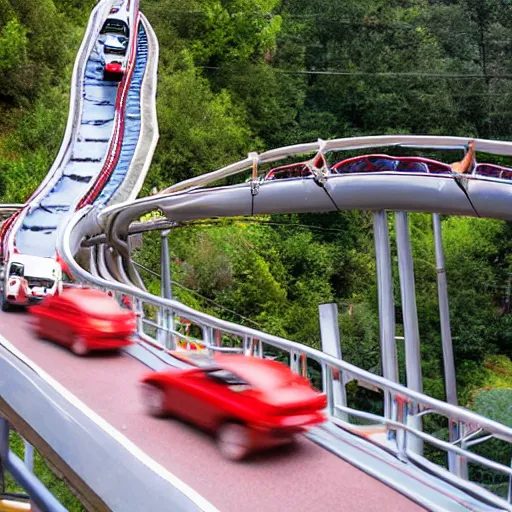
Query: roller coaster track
pixel 84 414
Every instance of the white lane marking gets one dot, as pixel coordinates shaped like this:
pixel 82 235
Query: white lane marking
pixel 190 493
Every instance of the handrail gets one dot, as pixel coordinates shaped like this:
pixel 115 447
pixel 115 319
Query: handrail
pixel 200 318
pixel 344 144
pixel 404 398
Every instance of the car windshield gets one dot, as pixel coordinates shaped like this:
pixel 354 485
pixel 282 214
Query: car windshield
pixel 116 44
pixel 226 377
pixel 115 51
pixel 40 282
pixel 16 269
pixel 115 27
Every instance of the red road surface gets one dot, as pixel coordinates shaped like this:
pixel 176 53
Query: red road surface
pixel 306 477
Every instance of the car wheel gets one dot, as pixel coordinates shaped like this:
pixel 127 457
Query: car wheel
pixel 79 347
pixel 4 305
pixel 36 326
pixel 233 441
pixel 154 400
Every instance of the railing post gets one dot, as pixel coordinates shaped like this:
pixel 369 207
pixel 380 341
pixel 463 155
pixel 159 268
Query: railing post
pixel 402 416
pixel 139 311
pixel 386 304
pixel 456 464
pixel 4 439
pixel 29 463
pixel 248 345
pixel 165 266
pixel 330 335
pixel 295 361
pixel 410 318
pixel 327 384
pixel 4 450
pixel 29 456
pixel 509 493
pixel 208 338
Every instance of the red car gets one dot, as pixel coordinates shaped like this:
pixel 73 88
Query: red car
pixel 84 319
pixel 250 403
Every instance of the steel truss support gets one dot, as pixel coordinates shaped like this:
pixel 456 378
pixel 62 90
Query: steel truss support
pixel 386 303
pixel 410 317
pixel 330 334
pixel 456 464
pixel 166 285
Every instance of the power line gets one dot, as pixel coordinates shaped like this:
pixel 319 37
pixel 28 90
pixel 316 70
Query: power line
pixel 384 74
pixel 269 223
pixel 322 16
pixel 216 304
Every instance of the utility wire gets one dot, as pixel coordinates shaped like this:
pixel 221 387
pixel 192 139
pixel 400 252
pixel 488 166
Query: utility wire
pixel 269 223
pixel 216 304
pixel 248 221
pixel 421 74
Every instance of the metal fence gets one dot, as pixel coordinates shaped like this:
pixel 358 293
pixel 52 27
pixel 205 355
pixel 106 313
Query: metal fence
pixel 23 473
pixel 413 415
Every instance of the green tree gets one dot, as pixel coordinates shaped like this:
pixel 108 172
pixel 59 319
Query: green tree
pixel 13 46
pixel 199 131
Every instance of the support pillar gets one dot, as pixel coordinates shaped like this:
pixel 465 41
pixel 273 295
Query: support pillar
pixel 386 303
pixel 331 345
pixel 4 451
pixel 410 317
pixel 29 456
pixel 456 464
pixel 166 285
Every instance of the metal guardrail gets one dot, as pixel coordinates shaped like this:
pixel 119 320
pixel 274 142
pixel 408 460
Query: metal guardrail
pixel 10 208
pixel 253 160
pixel 407 404
pixel 22 472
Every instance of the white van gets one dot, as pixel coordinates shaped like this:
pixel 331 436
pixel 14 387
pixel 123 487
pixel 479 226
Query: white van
pixel 26 280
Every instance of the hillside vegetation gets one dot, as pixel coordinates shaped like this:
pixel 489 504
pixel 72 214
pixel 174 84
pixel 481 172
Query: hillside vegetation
pixel 237 76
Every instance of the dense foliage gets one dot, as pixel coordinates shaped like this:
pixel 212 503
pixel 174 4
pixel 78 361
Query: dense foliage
pixel 268 76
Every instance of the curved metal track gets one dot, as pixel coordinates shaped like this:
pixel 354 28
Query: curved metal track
pixel 452 194
pixel 72 126
pixel 38 233
pixel 108 386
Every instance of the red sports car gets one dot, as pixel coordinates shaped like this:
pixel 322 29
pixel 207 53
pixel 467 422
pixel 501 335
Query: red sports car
pixel 250 403
pixel 84 319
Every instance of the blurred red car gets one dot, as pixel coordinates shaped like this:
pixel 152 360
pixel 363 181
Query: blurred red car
pixel 84 319
pixel 250 403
